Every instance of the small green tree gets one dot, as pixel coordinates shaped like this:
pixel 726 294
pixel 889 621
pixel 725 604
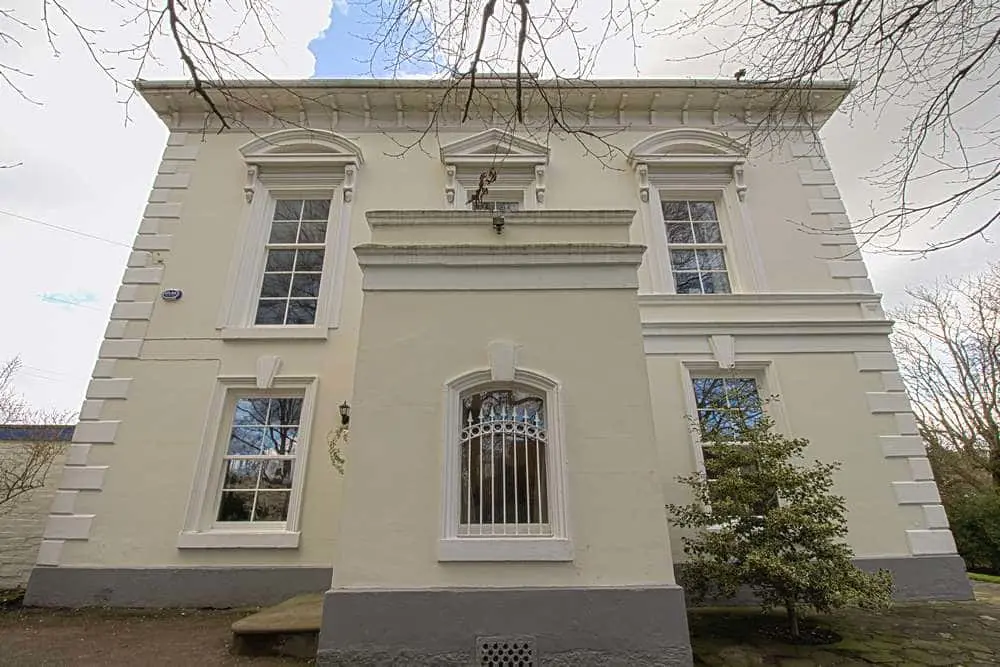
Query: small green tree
pixel 765 519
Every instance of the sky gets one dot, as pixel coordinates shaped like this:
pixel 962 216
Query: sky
pixel 85 162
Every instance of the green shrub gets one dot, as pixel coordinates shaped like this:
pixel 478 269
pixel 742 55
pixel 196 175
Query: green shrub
pixel 975 522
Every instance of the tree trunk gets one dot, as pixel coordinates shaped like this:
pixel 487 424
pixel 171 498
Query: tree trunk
pixel 793 618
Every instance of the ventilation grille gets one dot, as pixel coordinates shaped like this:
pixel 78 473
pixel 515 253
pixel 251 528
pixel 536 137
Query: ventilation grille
pixel 507 651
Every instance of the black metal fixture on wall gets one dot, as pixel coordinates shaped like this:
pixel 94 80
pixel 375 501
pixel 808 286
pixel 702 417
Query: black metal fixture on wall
pixel 345 413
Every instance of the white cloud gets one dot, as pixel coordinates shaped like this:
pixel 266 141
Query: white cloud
pixel 86 168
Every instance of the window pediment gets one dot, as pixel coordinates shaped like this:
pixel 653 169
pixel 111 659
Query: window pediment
pixel 690 157
pixel 495 146
pixel 301 158
pixel 302 146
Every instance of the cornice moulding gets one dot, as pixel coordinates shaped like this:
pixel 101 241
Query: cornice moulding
pixel 398 100
pixel 373 254
pixel 557 217
pixel 759 299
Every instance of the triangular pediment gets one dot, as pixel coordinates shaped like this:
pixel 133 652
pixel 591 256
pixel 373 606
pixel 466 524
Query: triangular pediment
pixel 494 143
pixel 306 144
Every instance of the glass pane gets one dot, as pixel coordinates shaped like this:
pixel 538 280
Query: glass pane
pixel 271 506
pixel 703 210
pixel 316 209
pixel 709 260
pixel 251 411
pixel 301 311
pixel 679 232
pixel 275 285
pixel 276 475
pixel 709 392
pixel 742 391
pixel 306 284
pixel 707 232
pixel 675 210
pixel 687 283
pixel 716 283
pixel 245 441
pixel 312 232
pixel 285 411
pixel 309 260
pixel 270 312
pixel 281 440
pixel 682 260
pixel 287 209
pixel 235 505
pixel 283 232
pixel 280 260
pixel 241 474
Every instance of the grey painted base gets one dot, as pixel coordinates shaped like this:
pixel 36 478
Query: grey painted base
pixel 914 578
pixel 219 587
pixel 569 626
pixel 924 577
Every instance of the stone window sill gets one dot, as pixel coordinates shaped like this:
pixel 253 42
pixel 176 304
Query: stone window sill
pixel 219 539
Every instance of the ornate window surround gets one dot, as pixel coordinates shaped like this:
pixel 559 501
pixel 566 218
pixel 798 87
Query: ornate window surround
pixel 200 530
pixel 294 164
pixel 693 164
pixel 452 547
pixel 464 160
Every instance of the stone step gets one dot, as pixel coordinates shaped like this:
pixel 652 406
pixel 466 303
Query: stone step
pixel 290 628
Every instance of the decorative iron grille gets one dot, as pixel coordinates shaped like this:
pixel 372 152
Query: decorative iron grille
pixel 507 651
pixel 504 487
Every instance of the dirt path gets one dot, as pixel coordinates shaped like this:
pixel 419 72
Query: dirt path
pixel 53 638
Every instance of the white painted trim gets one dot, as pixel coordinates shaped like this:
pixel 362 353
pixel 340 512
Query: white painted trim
pixel 49 552
pixel 220 539
pixel 83 478
pixel 205 488
pixel 930 542
pixel 295 180
pixel 767 328
pixel 97 432
pixel 509 549
pixel 381 219
pixel 108 388
pixel 274 333
pixel 902 446
pixel 121 348
pixel 761 370
pixel 759 299
pixel 68 526
pixel 452 547
pixel 916 493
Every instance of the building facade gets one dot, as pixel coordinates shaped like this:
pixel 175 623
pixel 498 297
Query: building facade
pixel 520 376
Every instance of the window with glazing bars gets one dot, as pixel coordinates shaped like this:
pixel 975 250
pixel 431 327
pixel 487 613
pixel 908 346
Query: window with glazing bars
pixel 725 405
pixel 293 269
pixel 695 244
pixel 259 460
pixel 504 489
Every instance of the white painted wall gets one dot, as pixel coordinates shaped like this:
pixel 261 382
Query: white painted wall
pixel 149 431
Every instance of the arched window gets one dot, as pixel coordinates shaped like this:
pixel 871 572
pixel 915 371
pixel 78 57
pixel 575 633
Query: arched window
pixel 504 488
pixel 504 479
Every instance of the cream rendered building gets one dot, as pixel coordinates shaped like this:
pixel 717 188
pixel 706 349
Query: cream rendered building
pixel 520 380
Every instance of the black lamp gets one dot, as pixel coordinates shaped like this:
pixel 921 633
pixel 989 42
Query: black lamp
pixel 345 413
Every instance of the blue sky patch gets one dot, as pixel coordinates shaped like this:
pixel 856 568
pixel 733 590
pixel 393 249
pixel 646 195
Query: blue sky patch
pixel 68 298
pixel 344 49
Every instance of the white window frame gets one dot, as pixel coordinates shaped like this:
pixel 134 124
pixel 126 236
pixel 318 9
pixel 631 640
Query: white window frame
pixel 291 164
pixel 520 166
pixel 455 548
pixel 697 165
pixel 717 198
pixel 201 529
pixel 762 372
